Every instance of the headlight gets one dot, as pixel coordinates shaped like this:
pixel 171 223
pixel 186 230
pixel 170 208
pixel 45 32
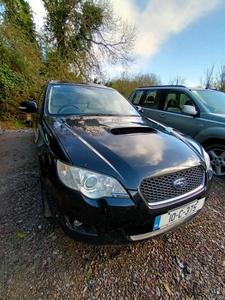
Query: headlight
pixel 91 184
pixel 207 159
pixel 201 150
pixel 197 146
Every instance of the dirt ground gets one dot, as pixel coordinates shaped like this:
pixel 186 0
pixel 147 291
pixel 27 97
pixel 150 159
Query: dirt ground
pixel 39 262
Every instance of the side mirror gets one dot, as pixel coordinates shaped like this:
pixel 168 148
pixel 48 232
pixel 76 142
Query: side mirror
pixel 189 110
pixel 139 108
pixel 28 107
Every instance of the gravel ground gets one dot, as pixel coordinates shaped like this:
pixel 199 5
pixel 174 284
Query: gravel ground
pixel 39 262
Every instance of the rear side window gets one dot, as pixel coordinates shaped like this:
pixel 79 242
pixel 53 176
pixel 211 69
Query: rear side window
pixel 151 100
pixel 147 98
pixel 137 97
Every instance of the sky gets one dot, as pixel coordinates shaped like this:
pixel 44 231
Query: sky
pixel 176 38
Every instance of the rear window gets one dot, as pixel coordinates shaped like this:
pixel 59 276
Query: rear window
pixel 151 100
pixel 137 97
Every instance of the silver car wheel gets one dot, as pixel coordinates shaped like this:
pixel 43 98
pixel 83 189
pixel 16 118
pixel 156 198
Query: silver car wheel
pixel 217 158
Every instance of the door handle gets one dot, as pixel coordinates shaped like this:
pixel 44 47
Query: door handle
pixel 162 115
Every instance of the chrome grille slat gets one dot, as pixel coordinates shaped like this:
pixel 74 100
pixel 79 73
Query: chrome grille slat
pixel 157 189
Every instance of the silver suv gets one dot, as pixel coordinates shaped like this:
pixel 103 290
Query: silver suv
pixel 197 112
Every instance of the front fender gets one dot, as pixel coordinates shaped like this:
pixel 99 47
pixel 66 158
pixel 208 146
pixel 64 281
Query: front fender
pixel 211 133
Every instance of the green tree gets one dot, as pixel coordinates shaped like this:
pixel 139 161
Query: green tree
pixel 86 33
pixel 127 82
pixel 79 36
pixel 20 60
pixel 19 13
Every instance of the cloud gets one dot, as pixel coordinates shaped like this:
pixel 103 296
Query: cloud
pixel 156 22
pixel 160 19
pixel 38 12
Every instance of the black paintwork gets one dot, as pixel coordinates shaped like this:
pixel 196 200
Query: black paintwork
pixel 128 148
pixel 128 157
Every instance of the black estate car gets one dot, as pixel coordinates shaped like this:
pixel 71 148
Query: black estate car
pixel 110 175
pixel 197 112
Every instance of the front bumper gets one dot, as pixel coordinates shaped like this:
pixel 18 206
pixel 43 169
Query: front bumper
pixel 110 221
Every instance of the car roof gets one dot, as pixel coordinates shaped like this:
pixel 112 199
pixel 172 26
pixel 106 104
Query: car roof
pixel 177 86
pixel 78 83
pixel 161 86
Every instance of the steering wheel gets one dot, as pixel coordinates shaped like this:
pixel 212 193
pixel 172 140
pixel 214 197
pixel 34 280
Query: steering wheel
pixel 68 109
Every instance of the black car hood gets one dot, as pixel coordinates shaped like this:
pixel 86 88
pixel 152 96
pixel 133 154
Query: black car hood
pixel 124 147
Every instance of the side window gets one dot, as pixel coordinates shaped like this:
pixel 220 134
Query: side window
pixel 185 100
pixel 172 102
pixel 175 100
pixel 137 97
pixel 151 99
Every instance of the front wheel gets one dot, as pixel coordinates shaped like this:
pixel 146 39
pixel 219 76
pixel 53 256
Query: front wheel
pixel 46 210
pixel 45 206
pixel 217 159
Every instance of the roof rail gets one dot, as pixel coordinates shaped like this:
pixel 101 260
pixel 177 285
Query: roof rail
pixel 166 85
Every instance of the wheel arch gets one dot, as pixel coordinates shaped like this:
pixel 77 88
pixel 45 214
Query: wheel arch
pixel 216 150
pixel 212 141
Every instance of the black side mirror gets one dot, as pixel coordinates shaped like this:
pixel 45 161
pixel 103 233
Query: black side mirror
pixel 139 108
pixel 28 107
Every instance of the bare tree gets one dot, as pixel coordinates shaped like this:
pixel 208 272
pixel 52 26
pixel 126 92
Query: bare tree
pixel 214 80
pixel 220 79
pixel 178 80
pixel 209 77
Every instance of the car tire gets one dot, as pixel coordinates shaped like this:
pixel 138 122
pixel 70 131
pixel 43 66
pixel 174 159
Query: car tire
pixel 46 209
pixel 45 206
pixel 216 153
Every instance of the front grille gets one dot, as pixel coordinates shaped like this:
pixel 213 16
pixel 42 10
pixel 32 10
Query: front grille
pixel 161 188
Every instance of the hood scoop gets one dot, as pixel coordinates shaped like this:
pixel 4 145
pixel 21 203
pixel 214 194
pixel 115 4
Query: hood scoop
pixel 132 130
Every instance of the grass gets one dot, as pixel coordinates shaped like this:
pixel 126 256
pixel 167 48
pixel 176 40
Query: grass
pixel 14 125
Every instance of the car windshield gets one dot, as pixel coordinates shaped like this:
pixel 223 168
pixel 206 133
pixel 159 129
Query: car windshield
pixel 67 99
pixel 213 100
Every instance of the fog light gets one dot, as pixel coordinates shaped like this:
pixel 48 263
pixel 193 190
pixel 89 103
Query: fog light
pixel 77 223
pixel 83 228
